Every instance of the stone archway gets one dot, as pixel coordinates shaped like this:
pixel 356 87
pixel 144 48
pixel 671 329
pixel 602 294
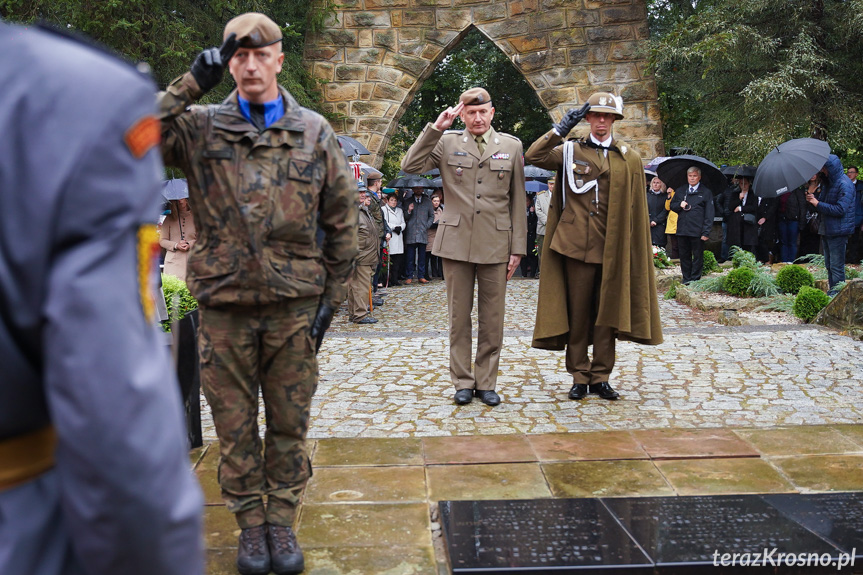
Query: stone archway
pixel 375 54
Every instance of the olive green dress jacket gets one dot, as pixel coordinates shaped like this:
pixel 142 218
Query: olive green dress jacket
pixel 629 300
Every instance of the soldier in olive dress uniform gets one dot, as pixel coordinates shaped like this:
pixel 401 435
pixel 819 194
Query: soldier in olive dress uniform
pixel 94 468
pixel 264 175
pixel 597 282
pixel 482 234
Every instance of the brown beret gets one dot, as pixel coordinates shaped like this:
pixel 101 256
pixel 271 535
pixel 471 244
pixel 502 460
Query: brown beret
pixel 475 97
pixel 253 30
pixel 604 102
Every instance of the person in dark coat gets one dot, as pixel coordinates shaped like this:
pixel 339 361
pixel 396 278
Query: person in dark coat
pixel 767 210
pixel 854 253
pixel 419 215
pixel 835 207
pixel 791 216
pixel 94 467
pixel 722 200
pixel 529 261
pixel 656 211
pixel 742 214
pixel 694 207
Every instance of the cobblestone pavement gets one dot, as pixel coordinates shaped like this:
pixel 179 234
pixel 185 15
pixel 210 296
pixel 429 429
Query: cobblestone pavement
pixel 391 379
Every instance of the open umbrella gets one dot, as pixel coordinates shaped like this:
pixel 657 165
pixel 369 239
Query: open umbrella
pixel 436 183
pixel 416 181
pixel 352 147
pixel 673 172
pixel 432 172
pixel 789 165
pixel 535 172
pixel 398 182
pixel 651 165
pixel 175 189
pixel 534 187
pixel 739 171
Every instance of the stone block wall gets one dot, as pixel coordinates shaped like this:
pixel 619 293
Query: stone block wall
pixel 374 55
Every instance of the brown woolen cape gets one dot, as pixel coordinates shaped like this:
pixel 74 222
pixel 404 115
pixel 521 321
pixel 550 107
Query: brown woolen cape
pixel 628 301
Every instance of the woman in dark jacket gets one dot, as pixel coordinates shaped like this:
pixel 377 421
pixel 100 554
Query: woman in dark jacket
pixel 656 209
pixel 836 209
pixel 741 212
pixel 792 217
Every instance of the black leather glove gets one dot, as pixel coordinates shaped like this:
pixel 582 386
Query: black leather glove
pixel 323 318
pixel 397 230
pixel 209 67
pixel 570 119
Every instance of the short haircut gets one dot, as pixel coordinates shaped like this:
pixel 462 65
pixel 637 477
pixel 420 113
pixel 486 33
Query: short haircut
pixel 853 168
pixel 693 169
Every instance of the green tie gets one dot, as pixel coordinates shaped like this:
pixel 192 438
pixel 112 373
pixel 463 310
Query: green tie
pixel 480 143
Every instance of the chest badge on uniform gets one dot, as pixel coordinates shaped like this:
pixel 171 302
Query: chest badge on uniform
pixel 300 170
pixel 500 156
pixel 500 175
pixel 459 171
pixel 580 168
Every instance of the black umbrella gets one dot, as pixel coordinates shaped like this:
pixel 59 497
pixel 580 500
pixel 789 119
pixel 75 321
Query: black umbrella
pixel 789 166
pixel 436 183
pixel 416 182
pixel 352 147
pixel 673 172
pixel 398 182
pixel 535 172
pixel 432 172
pixel 175 189
pixel 739 171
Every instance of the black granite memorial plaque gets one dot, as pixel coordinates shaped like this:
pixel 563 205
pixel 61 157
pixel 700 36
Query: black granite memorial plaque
pixel 836 517
pixel 538 536
pixel 733 534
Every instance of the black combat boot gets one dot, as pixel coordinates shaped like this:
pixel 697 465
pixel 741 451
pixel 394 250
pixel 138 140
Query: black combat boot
pixel 287 557
pixel 253 554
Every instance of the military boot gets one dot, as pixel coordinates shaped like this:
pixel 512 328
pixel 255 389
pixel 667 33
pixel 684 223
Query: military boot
pixel 285 551
pixel 253 554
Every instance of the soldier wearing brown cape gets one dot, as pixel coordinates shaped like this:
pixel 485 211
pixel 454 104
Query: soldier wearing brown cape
pixel 597 282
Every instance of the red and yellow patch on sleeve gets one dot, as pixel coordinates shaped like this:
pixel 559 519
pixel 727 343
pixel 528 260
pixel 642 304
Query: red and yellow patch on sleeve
pixel 143 135
pixel 148 265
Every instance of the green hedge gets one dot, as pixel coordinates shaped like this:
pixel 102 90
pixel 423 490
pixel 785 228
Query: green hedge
pixel 809 302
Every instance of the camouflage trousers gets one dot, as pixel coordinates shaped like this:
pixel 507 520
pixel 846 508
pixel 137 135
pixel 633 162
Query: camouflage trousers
pixel 244 349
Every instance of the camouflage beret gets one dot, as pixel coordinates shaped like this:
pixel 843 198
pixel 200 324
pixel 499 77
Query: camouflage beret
pixel 475 97
pixel 604 102
pixel 253 30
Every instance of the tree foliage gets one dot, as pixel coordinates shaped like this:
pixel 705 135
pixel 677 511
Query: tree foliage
pixel 737 77
pixel 168 34
pixel 476 61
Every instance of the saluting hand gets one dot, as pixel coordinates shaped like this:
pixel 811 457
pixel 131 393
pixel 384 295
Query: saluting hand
pixel 209 67
pixel 447 117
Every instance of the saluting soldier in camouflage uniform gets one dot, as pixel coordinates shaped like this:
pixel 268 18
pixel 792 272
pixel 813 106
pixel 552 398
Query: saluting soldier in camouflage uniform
pixel 264 174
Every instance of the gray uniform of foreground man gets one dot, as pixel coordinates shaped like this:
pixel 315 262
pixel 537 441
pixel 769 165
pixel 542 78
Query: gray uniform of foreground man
pixel 482 234
pixel 94 472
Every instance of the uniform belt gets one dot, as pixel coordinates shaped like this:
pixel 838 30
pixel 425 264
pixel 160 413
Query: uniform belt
pixel 27 456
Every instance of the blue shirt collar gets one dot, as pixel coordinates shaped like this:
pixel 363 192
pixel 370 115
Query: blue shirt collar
pixel 273 110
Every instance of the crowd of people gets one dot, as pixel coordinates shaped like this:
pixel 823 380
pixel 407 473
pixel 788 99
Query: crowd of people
pixel 781 229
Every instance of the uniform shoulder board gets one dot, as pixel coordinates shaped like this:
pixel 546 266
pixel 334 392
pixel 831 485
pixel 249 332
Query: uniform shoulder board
pixel 141 68
pixel 453 132
pixel 507 136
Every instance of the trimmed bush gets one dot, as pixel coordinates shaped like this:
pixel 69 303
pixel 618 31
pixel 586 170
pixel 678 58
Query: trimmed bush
pixel 178 300
pixel 710 263
pixel 737 281
pixel 809 302
pixel 743 259
pixel 793 277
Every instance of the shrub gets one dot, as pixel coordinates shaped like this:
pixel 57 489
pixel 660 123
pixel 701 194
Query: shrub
pixel 793 277
pixel 809 302
pixel 743 259
pixel 672 291
pixel 178 300
pixel 852 273
pixel 710 263
pixel 737 281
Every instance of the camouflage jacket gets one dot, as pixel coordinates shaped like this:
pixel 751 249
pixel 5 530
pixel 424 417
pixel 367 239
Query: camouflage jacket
pixel 259 199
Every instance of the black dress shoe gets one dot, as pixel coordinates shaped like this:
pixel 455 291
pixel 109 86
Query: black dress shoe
pixel 578 391
pixel 463 396
pixel 604 390
pixel 377 302
pixel 488 396
pixel 287 557
pixel 253 554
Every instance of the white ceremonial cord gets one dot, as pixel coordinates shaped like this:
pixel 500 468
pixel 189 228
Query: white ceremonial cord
pixel 568 149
